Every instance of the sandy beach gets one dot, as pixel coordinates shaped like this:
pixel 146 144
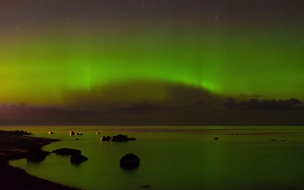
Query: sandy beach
pixel 15 145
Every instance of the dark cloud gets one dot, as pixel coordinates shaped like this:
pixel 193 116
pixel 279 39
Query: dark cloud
pixel 139 95
pixel 13 105
pixel 150 103
pixel 253 112
pixel 142 107
pixel 265 104
pixel 3 106
pixel 251 96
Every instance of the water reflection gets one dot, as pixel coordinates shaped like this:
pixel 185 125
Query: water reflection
pixel 179 159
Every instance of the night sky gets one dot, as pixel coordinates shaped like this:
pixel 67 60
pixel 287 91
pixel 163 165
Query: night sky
pixel 102 53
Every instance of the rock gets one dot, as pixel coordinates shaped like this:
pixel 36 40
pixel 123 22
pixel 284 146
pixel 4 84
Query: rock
pixel 50 132
pixel 77 158
pixel 117 138
pixel 105 138
pixel 129 161
pixel 36 155
pixel 66 151
pixel 120 138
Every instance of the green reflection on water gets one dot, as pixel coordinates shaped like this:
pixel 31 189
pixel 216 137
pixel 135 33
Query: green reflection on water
pixel 178 158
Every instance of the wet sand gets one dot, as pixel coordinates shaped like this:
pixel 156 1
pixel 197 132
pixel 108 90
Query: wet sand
pixel 15 145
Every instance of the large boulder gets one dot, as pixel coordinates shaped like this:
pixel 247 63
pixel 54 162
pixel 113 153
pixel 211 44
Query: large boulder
pixel 66 151
pixel 129 161
pixel 36 155
pixel 77 158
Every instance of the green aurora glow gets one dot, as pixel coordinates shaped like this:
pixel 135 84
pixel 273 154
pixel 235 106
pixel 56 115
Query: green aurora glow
pixel 38 67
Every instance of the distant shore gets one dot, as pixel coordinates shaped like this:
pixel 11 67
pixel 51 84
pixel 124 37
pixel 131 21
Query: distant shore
pixel 15 146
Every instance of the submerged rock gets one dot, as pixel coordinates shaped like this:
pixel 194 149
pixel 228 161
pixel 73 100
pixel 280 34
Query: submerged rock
pixel 129 161
pixel 77 158
pixel 66 151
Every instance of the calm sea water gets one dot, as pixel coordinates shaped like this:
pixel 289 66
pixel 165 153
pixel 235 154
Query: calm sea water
pixel 176 158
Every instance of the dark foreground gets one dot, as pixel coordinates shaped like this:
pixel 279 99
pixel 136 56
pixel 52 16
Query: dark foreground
pixel 15 146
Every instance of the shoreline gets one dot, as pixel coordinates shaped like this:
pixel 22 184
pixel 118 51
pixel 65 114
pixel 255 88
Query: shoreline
pixel 15 146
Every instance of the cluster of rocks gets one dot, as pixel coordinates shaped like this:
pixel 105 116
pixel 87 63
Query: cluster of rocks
pixel 73 133
pixel 76 156
pixel 37 155
pixel 129 161
pixel 20 132
pixel 117 138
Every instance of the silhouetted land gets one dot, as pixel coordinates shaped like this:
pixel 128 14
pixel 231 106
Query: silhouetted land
pixel 15 146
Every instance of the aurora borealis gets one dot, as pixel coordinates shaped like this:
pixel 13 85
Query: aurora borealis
pixel 69 53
